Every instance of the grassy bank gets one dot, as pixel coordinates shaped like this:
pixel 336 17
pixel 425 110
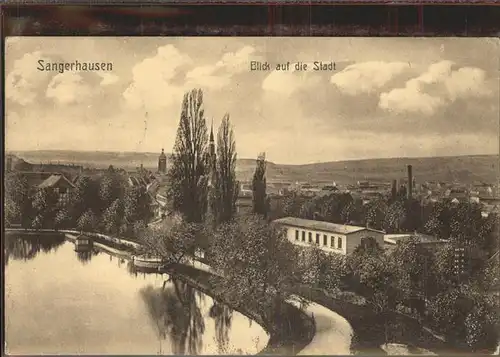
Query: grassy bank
pixel 370 329
pixel 282 341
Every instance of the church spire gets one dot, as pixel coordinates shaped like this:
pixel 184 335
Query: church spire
pixel 212 131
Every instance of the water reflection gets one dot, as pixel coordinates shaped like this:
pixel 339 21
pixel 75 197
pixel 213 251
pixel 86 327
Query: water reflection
pixel 27 247
pixel 85 256
pixel 175 313
pixel 222 316
pixel 87 303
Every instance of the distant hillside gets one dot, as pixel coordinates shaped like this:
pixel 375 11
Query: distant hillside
pixel 465 169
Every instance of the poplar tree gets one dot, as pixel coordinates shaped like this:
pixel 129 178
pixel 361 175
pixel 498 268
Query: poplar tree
pixel 188 174
pixel 226 187
pixel 260 201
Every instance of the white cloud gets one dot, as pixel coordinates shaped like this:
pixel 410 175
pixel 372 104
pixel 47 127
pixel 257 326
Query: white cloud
pixel 152 86
pixel 218 75
pixel 206 77
pixel 288 82
pixel 107 78
pixel 439 86
pixel 367 77
pixel 409 99
pixel 236 62
pixel 467 82
pixel 24 80
pixel 68 88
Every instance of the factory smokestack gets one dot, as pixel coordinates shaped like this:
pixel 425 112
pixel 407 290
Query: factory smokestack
pixel 409 188
pixel 394 189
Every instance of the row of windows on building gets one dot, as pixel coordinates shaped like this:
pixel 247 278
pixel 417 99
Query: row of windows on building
pixel 320 239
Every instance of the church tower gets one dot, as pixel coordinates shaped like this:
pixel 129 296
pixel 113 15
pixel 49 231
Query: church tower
pixel 212 154
pixel 212 178
pixel 162 163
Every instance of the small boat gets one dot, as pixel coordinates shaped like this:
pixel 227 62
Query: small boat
pixel 144 262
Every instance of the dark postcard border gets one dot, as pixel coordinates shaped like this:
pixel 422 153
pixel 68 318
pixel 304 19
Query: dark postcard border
pixel 307 19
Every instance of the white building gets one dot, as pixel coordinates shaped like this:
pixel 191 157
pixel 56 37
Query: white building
pixel 330 237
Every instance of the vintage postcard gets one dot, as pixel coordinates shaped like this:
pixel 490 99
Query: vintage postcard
pixel 244 195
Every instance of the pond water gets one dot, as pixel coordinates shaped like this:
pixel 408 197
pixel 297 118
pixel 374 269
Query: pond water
pixel 58 301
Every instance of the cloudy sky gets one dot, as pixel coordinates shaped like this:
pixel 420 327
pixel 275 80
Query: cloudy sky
pixel 389 97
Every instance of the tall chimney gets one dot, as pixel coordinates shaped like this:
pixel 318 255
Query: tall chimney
pixel 409 187
pixel 394 189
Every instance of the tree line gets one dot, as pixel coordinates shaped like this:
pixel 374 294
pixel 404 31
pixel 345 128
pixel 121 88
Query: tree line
pixel 102 203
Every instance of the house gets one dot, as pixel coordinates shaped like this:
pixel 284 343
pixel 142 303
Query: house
pixel 35 178
pixel 244 204
pixel 330 237
pixel 59 184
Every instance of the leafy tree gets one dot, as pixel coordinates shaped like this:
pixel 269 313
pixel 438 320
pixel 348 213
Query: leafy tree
pixel 45 206
pixel 37 222
pixel 310 209
pixel 12 211
pixel 352 213
pixel 136 205
pixel 466 316
pixel 87 222
pixel 413 215
pixel 373 275
pixel 257 262
pixel 489 234
pixel 465 223
pixel 188 188
pixel 444 266
pixel 113 217
pixel 335 208
pixel 226 186
pixel 110 188
pixel 173 241
pixel 260 200
pixel 395 217
pixel 292 204
pixel 478 329
pixel 85 197
pixel 17 197
pixel 414 273
pixel 439 218
pixel 376 211
pixel 320 269
pixel 62 219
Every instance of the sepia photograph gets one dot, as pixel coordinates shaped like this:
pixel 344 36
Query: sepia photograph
pixel 251 195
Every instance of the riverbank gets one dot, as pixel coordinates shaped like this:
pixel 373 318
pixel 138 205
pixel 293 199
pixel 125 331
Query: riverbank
pixel 370 330
pixel 282 341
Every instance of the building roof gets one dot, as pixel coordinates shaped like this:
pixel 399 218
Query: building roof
pixel 55 180
pixel 322 226
pixel 35 178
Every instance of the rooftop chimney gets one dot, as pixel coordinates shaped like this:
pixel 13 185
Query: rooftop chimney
pixel 409 187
